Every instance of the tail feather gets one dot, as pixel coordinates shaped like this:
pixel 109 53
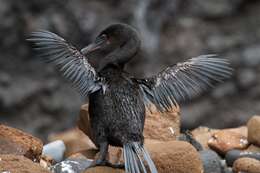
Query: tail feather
pixel 135 155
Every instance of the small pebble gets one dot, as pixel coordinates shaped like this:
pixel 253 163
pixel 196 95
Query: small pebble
pixel 246 165
pixel 55 150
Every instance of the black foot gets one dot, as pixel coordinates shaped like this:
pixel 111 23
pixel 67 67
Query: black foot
pixel 106 163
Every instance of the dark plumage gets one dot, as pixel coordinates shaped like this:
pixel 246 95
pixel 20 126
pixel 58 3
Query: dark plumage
pixel 116 99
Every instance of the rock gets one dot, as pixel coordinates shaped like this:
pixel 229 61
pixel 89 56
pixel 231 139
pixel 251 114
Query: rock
pixel 202 135
pixel 225 140
pixel 242 130
pixel 19 164
pixel 211 161
pixel 253 148
pixel 103 169
pixel 246 78
pixel 159 126
pixel 75 141
pixel 247 165
pixel 251 56
pixel 253 126
pixel 14 141
pixel 72 165
pixel 162 126
pixel 213 9
pixel 187 136
pixel 46 162
pixel 233 155
pixel 174 156
pixel 55 149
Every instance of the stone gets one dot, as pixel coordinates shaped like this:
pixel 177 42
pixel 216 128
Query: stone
pixel 233 155
pixel 46 161
pixel 159 126
pixel 253 148
pixel 14 141
pixel 202 135
pixel 211 161
pixel 72 165
pixel 55 149
pixel 174 156
pixel 248 165
pixel 225 140
pixel 19 164
pixel 253 126
pixel 103 169
pixel 75 141
pixel 251 56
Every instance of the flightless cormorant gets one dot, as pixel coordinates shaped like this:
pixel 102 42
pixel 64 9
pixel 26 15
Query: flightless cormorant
pixel 116 99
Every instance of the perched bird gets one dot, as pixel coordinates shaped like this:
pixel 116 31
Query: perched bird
pixel 116 99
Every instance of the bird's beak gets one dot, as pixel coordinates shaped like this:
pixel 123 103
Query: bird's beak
pixel 90 48
pixel 94 46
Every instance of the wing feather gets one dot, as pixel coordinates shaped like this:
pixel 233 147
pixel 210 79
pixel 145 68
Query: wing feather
pixel 184 80
pixel 68 60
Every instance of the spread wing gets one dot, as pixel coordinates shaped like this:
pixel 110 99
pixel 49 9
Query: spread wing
pixel 67 59
pixel 184 80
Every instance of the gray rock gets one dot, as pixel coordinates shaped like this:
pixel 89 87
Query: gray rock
pixel 246 78
pixel 233 155
pixel 213 8
pixel 71 166
pixel 211 161
pixel 251 56
pixel 55 150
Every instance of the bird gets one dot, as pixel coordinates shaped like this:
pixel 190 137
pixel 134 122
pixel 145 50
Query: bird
pixel 117 99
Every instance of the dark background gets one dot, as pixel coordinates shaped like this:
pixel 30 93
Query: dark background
pixel 35 98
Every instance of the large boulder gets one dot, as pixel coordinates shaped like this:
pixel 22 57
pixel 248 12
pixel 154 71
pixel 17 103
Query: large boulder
pixel 14 141
pixel 159 126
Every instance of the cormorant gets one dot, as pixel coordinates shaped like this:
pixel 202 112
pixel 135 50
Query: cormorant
pixel 116 99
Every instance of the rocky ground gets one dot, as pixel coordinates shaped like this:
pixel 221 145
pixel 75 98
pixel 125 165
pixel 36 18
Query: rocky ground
pixel 204 149
pixel 35 98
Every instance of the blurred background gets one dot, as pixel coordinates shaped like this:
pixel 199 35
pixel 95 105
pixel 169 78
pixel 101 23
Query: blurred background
pixel 34 97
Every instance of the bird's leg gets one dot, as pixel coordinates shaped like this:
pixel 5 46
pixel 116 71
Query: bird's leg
pixel 101 160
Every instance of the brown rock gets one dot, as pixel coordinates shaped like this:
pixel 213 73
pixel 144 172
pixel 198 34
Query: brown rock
pixel 253 126
pixel 248 165
pixel 225 140
pixel 160 126
pixel 103 169
pixel 241 130
pixel 174 156
pixel 253 148
pixel 14 141
pixel 75 141
pixel 19 164
pixel 203 134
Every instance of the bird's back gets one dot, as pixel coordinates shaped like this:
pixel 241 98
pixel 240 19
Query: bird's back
pixel 118 113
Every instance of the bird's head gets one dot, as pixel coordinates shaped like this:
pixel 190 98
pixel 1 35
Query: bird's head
pixel 116 45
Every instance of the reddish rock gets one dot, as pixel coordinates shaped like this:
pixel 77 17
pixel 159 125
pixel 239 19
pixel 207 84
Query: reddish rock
pixel 241 130
pixel 46 161
pixel 248 165
pixel 203 134
pixel 75 141
pixel 161 126
pixel 253 126
pixel 19 164
pixel 14 141
pixel 225 140
pixel 174 156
